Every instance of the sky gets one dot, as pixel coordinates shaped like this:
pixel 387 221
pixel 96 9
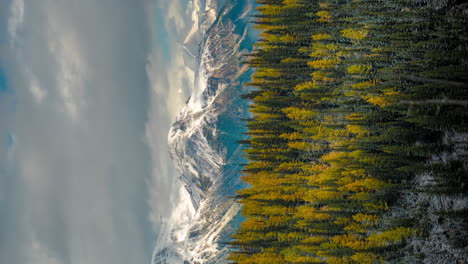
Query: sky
pixel 88 91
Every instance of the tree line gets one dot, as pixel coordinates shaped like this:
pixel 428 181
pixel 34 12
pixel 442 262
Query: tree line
pixel 353 99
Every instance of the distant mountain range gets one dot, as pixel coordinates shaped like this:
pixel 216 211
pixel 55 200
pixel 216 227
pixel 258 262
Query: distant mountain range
pixel 203 139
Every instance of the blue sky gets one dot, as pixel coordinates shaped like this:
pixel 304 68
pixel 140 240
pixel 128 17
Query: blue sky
pixel 88 90
pixel 3 81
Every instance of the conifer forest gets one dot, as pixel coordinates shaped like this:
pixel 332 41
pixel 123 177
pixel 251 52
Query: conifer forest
pixel 357 142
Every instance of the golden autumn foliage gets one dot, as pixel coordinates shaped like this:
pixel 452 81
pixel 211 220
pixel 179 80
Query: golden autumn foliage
pixel 324 16
pixel 324 137
pixel 356 34
pixel 359 69
pixel 298 113
pixel 321 76
pixel 322 195
pixel 290 60
pixel 307 85
pixel 321 36
pixel 292 2
pixel 358 130
pixel 379 101
pixel 264 73
pixel 270 10
pixel 324 63
pixel 365 84
pixel 389 237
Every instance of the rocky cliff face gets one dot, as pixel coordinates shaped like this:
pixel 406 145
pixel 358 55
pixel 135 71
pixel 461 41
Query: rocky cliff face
pixel 202 141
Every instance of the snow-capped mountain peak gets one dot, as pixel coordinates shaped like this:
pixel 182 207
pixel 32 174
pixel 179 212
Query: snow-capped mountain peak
pixel 201 145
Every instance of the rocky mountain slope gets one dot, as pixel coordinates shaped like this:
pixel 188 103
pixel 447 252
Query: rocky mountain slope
pixel 203 139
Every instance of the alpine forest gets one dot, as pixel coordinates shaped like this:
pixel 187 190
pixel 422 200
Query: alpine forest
pixel 357 145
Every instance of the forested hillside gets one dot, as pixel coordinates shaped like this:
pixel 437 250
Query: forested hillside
pixel 358 139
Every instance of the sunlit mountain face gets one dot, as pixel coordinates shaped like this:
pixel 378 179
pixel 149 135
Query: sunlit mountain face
pixel 203 139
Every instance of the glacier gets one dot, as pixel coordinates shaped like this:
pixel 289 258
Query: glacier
pixel 202 141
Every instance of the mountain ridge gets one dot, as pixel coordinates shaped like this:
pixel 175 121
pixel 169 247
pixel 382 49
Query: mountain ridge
pixel 202 145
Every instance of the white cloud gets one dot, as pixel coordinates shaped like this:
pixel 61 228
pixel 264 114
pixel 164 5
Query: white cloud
pixel 16 19
pixel 74 188
pixel 171 82
pixel 64 46
pixel 174 13
pixel 36 90
pixel 38 254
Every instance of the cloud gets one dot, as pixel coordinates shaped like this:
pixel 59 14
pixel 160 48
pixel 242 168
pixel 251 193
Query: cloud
pixel 74 177
pixel 39 254
pixel 16 18
pixel 70 60
pixel 38 93
pixel 171 81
